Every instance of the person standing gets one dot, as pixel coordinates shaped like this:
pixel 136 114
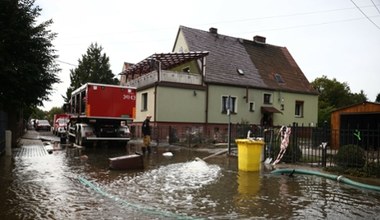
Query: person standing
pixel 146 133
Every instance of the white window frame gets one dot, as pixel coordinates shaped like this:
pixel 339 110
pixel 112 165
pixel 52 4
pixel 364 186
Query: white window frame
pixel 270 98
pixel 224 99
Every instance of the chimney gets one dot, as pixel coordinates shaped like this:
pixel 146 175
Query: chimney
pixel 213 30
pixel 259 39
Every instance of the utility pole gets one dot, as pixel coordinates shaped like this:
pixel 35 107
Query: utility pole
pixel 229 107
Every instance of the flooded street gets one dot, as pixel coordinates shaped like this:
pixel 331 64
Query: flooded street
pixel 64 185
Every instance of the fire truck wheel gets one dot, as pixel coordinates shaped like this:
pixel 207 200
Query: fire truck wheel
pixel 71 139
pixel 77 139
pixel 80 142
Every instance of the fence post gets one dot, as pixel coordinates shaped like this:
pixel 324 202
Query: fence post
pixel 294 142
pixel 324 146
pixel 170 135
pixel 229 136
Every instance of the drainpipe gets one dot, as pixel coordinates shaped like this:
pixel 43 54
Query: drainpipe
pixel 155 110
pixel 158 71
pixel 155 96
pixel 206 110
pixel 205 84
pixel 155 91
pixel 246 94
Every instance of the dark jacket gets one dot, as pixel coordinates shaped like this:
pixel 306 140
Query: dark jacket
pixel 146 127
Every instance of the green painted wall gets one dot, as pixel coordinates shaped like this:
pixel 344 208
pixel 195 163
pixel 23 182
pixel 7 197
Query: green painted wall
pixel 192 65
pixel 243 113
pixel 310 106
pixel 180 44
pixel 180 105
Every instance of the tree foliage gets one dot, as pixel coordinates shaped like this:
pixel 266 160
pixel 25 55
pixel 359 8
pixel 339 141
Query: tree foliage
pixel 52 112
pixel 38 113
pixel 27 66
pixel 377 98
pixel 334 95
pixel 93 67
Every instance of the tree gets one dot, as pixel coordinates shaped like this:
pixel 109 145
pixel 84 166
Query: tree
pixel 331 92
pixel 334 95
pixel 358 97
pixel 52 112
pixel 93 67
pixel 27 66
pixel 377 98
pixel 38 114
pixel 27 60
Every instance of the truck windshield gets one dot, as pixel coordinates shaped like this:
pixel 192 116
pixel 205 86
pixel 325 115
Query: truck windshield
pixel 62 120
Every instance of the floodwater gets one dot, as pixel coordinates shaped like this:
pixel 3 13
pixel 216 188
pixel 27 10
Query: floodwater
pixel 62 185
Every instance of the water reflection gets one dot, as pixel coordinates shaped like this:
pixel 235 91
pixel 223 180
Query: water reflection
pixel 40 187
pixel 249 183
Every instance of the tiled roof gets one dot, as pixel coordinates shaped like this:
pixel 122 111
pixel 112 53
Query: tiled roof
pixel 259 62
pixel 167 60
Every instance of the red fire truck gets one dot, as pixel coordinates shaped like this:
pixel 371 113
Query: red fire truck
pixel 60 124
pixel 101 112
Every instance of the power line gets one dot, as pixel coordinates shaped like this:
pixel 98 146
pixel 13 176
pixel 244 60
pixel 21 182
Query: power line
pixel 60 61
pixel 236 20
pixel 309 25
pixel 282 16
pixel 269 29
pixel 365 14
pixel 375 6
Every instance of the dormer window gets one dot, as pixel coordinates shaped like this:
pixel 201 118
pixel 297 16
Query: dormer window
pixel 279 78
pixel 240 71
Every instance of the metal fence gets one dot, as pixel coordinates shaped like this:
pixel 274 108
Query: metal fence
pixel 308 145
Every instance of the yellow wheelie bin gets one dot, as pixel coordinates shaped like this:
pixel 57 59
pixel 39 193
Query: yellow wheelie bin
pixel 249 154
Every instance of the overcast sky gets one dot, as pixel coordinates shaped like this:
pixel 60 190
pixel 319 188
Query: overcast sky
pixel 339 39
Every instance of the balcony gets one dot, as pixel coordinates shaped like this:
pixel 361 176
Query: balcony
pixel 166 76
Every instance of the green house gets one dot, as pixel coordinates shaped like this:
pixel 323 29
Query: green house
pixel 208 75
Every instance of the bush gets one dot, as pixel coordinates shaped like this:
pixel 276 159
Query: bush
pixel 350 156
pixel 373 169
pixel 369 170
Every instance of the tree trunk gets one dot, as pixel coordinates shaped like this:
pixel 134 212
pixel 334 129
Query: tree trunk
pixel 15 125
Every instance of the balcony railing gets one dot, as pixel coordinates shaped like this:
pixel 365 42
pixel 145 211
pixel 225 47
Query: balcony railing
pixel 166 76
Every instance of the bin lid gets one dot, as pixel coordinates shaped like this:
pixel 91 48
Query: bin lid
pixel 246 140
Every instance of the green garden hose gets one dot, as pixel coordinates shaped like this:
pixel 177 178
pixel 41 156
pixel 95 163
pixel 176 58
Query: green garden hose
pixel 339 178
